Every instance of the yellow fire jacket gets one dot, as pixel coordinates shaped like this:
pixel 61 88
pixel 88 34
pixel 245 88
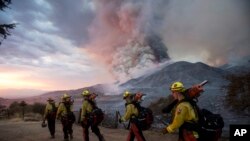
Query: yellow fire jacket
pixel 62 111
pixel 86 109
pixel 184 112
pixel 131 111
pixel 48 109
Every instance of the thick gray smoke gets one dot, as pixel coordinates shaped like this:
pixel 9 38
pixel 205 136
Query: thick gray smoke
pixel 130 36
pixel 120 35
pixel 212 31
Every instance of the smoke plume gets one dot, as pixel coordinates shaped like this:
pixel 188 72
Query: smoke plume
pixel 121 39
pixel 130 36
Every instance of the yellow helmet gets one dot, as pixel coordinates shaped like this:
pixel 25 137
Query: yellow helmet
pixel 50 99
pixel 86 93
pixel 177 86
pixel 126 94
pixel 65 96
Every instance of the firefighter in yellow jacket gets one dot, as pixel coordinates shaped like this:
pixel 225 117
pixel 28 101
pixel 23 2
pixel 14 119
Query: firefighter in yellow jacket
pixel 50 116
pixel 131 115
pixel 87 107
pixel 182 113
pixel 66 115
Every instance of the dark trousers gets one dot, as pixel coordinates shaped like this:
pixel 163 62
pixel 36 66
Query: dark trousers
pixel 94 129
pixel 67 128
pixel 51 126
pixel 135 132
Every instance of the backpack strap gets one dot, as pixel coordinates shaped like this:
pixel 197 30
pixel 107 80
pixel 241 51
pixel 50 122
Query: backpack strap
pixel 92 103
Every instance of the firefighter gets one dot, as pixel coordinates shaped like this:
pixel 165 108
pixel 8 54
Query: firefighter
pixel 66 115
pixel 131 115
pixel 50 116
pixel 183 112
pixel 87 107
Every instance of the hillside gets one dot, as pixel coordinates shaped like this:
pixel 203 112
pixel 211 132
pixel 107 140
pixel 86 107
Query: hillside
pixel 188 73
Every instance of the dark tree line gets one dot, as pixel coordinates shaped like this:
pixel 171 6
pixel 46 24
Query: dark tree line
pixel 22 107
pixel 4 28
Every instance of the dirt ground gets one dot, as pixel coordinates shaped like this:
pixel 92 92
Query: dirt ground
pixel 32 131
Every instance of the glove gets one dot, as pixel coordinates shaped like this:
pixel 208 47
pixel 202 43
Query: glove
pixel 164 131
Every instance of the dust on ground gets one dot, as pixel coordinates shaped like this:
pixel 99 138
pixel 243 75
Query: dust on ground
pixel 32 131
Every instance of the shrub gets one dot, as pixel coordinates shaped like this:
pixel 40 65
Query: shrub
pixel 238 93
pixel 38 108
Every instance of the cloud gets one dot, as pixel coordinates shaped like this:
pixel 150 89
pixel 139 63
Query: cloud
pixel 45 48
pixel 72 18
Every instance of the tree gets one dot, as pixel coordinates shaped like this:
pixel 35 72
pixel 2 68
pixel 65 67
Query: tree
pixel 23 104
pixel 2 107
pixel 14 108
pixel 238 93
pixel 4 28
pixel 38 108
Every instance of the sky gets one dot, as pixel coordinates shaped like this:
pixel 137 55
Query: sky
pixel 62 44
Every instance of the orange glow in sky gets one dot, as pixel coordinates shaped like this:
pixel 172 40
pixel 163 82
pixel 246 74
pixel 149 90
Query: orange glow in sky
pixel 17 80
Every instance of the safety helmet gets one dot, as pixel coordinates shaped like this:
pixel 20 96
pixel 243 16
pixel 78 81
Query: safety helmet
pixel 178 87
pixel 65 96
pixel 126 94
pixel 50 99
pixel 86 93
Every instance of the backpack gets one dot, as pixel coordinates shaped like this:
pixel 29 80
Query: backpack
pixel 70 115
pixel 96 116
pixel 209 126
pixel 145 117
pixel 52 113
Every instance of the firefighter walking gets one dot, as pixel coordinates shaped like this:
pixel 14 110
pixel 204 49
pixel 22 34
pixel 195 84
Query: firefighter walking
pixel 87 108
pixel 65 114
pixel 131 114
pixel 50 116
pixel 182 113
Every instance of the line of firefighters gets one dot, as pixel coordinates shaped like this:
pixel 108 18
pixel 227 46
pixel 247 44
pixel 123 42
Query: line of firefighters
pixel 183 112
